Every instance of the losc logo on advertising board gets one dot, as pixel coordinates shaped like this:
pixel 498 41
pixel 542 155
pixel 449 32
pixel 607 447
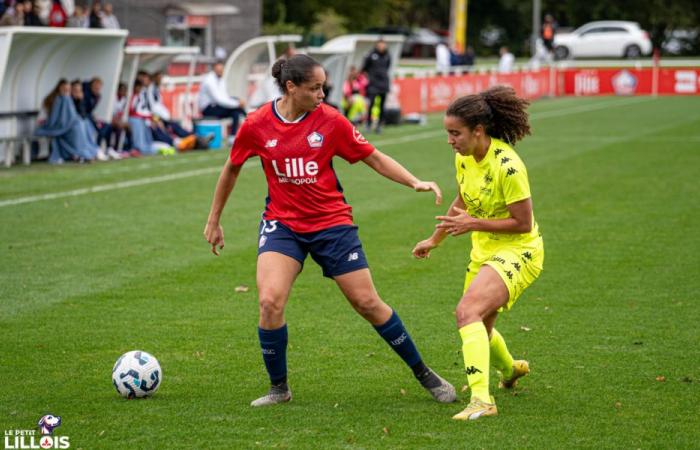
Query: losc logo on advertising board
pixel 30 439
pixel 624 83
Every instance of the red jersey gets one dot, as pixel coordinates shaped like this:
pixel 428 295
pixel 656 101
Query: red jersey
pixel 304 192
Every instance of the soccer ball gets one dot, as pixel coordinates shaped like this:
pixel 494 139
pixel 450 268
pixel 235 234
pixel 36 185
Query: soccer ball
pixel 136 374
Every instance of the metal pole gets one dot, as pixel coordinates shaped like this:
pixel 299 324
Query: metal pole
pixel 536 25
pixel 189 114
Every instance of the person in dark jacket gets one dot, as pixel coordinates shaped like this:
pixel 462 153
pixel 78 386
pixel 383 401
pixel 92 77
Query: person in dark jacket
pixel 92 92
pixel 376 66
pixel 96 15
pixel 31 15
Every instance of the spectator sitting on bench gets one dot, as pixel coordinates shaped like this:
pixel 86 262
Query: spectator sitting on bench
pixel 140 123
pixel 120 129
pixel 172 127
pixel 214 100
pixel 76 92
pixel 79 19
pixel 70 141
pixel 92 92
pixel 32 14
pixel 14 16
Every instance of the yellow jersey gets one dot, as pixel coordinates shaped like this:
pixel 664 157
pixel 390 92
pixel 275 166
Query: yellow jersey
pixel 487 187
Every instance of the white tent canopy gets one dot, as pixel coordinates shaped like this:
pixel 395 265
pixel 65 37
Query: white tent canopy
pixel 33 59
pixel 252 61
pixel 153 58
pixel 336 64
pixel 342 52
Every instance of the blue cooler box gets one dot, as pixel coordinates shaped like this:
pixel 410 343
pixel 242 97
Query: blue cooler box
pixel 204 128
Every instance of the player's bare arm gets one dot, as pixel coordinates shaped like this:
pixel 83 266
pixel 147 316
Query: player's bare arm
pixel 387 166
pixel 213 232
pixel 460 222
pixel 423 248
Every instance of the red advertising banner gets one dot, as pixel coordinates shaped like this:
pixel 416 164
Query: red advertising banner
pixel 421 95
pixel 434 94
pixel 175 99
pixel 684 81
pixel 629 81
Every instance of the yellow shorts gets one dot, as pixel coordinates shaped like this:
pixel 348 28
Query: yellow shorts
pixel 518 267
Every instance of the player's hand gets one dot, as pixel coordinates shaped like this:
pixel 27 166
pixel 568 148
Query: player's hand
pixel 425 186
pixel 458 224
pixel 422 249
pixel 214 234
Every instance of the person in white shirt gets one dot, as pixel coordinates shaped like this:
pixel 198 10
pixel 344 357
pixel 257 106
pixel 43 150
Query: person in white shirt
pixel 505 63
pixel 109 20
pixel 79 19
pixel 442 58
pixel 154 98
pixel 155 103
pixel 214 100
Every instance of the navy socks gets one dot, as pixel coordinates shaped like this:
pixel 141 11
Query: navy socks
pixel 395 334
pixel 274 351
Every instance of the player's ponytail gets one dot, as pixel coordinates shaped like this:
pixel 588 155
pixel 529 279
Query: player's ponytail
pixel 297 69
pixel 499 110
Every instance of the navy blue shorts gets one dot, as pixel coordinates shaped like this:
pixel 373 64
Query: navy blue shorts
pixel 337 250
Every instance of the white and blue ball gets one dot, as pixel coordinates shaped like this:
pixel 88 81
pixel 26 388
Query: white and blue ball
pixel 136 374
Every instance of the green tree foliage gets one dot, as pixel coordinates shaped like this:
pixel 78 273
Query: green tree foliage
pixel 509 20
pixel 329 24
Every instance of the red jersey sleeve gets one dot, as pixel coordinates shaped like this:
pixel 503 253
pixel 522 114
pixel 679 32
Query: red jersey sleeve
pixel 243 147
pixel 350 144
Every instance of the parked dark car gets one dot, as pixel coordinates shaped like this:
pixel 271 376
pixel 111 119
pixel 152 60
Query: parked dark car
pixel 419 43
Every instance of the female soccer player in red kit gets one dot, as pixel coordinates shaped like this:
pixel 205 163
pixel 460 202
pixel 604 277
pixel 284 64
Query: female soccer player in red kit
pixel 296 137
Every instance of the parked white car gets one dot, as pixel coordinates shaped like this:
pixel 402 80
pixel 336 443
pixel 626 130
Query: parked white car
pixel 611 38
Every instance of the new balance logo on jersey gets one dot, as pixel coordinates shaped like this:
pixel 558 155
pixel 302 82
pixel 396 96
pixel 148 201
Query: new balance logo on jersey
pixel 353 256
pixel 472 370
pixel 272 143
pixel 296 171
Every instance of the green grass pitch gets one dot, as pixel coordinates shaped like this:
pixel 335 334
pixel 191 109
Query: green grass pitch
pixel 117 267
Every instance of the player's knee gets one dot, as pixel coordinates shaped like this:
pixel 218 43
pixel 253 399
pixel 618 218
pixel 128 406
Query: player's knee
pixel 271 304
pixel 366 304
pixel 467 310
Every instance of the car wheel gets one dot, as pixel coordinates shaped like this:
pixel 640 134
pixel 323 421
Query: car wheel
pixel 633 51
pixel 561 52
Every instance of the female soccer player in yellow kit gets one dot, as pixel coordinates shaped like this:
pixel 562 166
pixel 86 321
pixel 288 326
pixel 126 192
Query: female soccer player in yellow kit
pixel 507 251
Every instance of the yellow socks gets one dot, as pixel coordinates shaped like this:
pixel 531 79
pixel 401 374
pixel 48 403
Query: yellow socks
pixel 500 356
pixel 475 349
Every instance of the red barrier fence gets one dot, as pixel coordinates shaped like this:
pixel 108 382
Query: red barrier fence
pixel 420 95
pixel 629 81
pixel 434 94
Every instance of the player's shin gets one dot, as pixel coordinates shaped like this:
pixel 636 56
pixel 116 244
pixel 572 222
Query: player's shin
pixel 395 334
pixel 475 349
pixel 501 358
pixel 273 344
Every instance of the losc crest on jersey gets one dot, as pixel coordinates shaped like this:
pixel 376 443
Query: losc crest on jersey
pixel 315 139
pixel 358 136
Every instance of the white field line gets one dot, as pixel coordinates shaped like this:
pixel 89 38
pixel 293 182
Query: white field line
pixel 210 170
